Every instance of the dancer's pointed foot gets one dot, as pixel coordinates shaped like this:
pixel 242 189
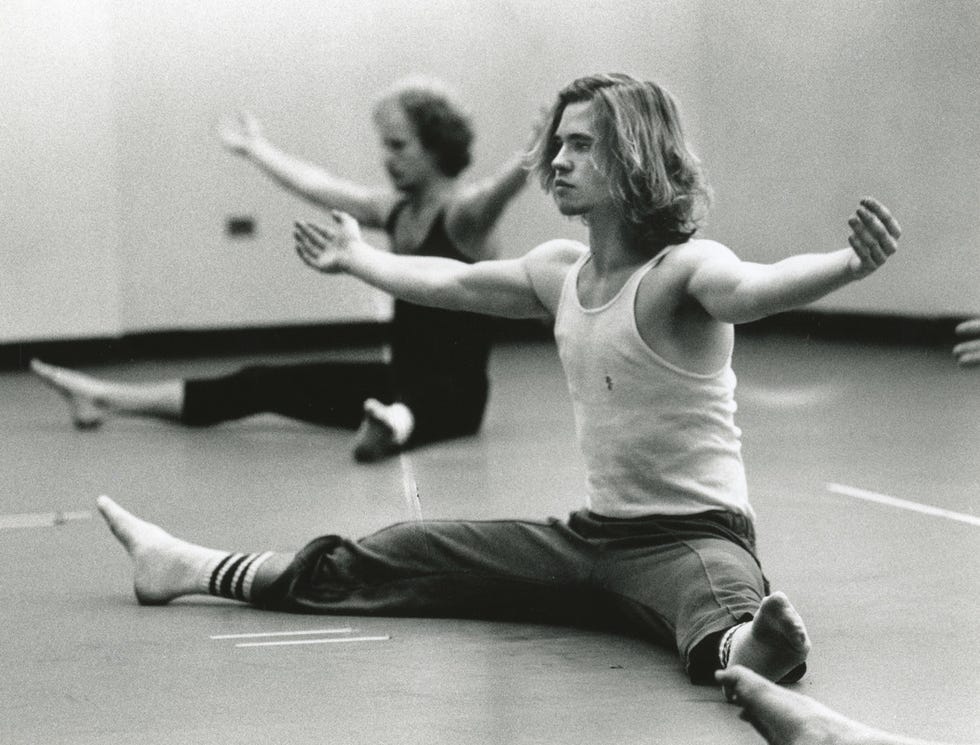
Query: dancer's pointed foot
pixel 164 567
pixel 774 643
pixel 82 392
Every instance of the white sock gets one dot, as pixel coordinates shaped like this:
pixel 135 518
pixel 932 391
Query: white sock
pixel 398 417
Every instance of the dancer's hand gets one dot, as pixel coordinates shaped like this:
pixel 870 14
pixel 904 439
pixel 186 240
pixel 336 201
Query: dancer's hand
pixel 240 134
pixel 327 247
pixel 968 352
pixel 874 236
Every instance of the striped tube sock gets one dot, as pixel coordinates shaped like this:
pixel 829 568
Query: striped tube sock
pixel 231 576
pixel 725 645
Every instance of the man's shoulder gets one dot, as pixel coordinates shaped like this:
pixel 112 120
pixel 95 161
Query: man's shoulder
pixel 694 253
pixel 560 252
pixel 547 266
pixel 699 248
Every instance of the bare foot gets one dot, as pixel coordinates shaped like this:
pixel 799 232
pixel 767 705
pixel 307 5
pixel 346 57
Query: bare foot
pixel 82 392
pixel 774 643
pixel 783 717
pixel 164 567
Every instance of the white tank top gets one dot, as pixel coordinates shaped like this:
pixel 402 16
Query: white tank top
pixel 657 439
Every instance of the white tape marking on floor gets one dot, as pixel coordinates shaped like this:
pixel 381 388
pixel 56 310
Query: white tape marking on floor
pixel 904 504
pixel 341 640
pixel 262 634
pixel 42 519
pixel 410 488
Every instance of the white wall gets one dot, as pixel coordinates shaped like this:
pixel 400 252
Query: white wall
pixel 59 181
pixel 809 106
pixel 115 188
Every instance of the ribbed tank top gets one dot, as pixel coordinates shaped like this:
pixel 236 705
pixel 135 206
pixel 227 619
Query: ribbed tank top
pixel 657 439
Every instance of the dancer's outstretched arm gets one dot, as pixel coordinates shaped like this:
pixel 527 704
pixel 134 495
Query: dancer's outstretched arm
pixel 244 136
pixel 475 212
pixel 737 291
pixel 515 288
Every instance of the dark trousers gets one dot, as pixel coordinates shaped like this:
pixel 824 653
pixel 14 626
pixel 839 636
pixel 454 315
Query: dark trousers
pixel 677 580
pixel 332 394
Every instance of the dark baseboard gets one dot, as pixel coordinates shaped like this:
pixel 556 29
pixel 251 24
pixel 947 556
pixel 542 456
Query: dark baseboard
pixel 189 343
pixel 225 342
pixel 861 328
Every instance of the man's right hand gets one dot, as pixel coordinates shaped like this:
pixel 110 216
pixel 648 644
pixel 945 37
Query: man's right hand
pixel 327 247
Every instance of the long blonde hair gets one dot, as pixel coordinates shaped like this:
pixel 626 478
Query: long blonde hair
pixel 655 178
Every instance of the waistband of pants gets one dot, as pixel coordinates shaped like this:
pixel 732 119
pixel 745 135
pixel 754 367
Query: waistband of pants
pixel 723 524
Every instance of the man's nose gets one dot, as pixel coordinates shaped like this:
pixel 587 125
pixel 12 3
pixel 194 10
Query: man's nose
pixel 560 162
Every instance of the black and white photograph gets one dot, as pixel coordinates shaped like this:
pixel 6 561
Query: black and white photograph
pixel 490 372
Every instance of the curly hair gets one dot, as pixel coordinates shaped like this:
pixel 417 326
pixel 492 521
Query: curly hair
pixel 655 178
pixel 439 121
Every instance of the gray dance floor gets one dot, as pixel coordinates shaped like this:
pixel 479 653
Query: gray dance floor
pixel 863 469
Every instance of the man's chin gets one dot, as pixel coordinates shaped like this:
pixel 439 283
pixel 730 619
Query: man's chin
pixel 569 210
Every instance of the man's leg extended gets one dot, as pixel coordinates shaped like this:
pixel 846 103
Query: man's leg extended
pixel 327 393
pixel 493 569
pixel 480 569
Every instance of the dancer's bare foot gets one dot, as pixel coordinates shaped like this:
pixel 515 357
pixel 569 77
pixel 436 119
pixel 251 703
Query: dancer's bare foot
pixel 783 717
pixel 91 399
pixel 165 567
pixel 82 392
pixel 774 643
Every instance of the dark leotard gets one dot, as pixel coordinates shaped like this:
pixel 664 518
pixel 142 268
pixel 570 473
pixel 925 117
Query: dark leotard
pixel 438 369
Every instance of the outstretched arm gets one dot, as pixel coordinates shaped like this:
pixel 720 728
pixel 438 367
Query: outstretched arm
pixel 476 211
pixel 502 288
pixel 968 352
pixel 244 137
pixel 737 291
